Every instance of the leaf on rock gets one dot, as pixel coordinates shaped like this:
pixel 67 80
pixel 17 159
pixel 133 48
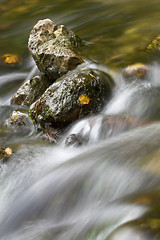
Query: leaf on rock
pixel 84 99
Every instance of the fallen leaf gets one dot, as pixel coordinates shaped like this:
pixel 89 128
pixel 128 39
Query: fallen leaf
pixel 84 99
pixel 11 59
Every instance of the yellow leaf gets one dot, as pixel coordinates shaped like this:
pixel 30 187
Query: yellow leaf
pixel 11 59
pixel 8 151
pixel 84 99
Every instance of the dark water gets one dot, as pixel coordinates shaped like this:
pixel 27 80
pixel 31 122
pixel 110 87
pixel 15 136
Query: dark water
pixel 108 189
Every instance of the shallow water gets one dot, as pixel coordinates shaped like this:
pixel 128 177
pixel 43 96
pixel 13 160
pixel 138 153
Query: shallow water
pixel 109 188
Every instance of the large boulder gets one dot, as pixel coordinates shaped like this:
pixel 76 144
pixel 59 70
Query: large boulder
pixel 79 93
pixel 54 48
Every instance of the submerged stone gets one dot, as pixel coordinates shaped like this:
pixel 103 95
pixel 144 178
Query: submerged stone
pixel 142 229
pixel 18 119
pixel 98 128
pixel 30 91
pixel 77 94
pixel 138 71
pixel 74 140
pixel 154 45
pixel 54 48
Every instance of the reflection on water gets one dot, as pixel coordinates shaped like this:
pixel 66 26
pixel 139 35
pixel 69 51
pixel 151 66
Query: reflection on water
pixel 107 188
pixel 117 30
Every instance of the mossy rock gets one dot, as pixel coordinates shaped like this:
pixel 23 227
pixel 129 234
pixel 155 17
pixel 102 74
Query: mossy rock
pixel 30 91
pixel 142 229
pixel 54 48
pixel 77 94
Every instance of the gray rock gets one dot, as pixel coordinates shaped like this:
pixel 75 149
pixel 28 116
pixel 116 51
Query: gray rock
pixel 18 119
pixel 54 48
pixel 30 91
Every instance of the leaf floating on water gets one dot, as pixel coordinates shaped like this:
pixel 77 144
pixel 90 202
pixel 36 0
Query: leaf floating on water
pixel 84 99
pixel 8 151
pixel 5 153
pixel 11 59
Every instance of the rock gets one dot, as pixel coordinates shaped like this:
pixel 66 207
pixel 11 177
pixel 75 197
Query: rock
pixel 18 119
pixel 54 48
pixel 79 93
pixel 154 45
pixel 143 103
pixel 30 91
pixel 98 128
pixel 138 71
pixel 74 140
pixel 51 134
pixel 142 229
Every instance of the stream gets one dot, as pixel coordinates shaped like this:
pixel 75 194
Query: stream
pixel 108 188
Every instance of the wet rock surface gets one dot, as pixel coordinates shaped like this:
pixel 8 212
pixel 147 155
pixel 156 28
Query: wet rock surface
pixel 18 119
pixel 79 93
pixel 99 128
pixel 30 91
pixel 135 71
pixel 154 45
pixel 142 229
pixel 54 48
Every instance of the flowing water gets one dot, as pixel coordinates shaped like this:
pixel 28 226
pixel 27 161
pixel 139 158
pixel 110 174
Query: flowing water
pixel 108 188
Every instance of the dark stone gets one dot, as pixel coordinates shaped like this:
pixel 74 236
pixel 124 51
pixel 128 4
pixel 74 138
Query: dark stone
pixel 77 94
pixel 73 140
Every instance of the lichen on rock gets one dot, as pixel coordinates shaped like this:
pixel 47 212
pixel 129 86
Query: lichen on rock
pixel 54 48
